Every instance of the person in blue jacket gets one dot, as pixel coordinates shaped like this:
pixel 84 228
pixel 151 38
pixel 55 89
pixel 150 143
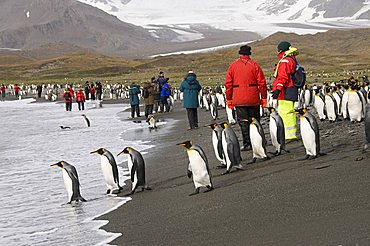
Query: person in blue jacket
pixel 134 92
pixel 191 87
pixel 165 93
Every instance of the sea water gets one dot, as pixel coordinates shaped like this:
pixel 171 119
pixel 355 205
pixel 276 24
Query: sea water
pixel 33 209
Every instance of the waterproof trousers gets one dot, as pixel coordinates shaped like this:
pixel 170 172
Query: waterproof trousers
pixel 287 114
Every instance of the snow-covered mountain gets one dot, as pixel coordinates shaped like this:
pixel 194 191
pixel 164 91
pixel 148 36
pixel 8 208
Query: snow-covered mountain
pixel 262 16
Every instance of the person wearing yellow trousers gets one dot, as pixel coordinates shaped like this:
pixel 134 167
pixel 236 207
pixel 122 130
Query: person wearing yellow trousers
pixel 283 88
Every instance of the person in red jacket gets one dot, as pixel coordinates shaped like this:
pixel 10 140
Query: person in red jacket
pixel 2 90
pixel 283 88
pixel 16 90
pixel 80 99
pixel 68 97
pixel 246 90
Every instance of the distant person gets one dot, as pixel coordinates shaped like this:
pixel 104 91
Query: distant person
pixel 165 94
pixel 157 94
pixel 80 99
pixel 99 90
pixel 148 95
pixel 2 91
pixel 246 90
pixel 161 80
pixel 87 90
pixel 68 98
pixel 92 91
pixel 283 88
pixel 16 90
pixel 134 92
pixel 191 87
pixel 39 90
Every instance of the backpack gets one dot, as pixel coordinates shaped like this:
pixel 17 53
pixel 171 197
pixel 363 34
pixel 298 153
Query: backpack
pixel 145 92
pixel 67 95
pixel 299 77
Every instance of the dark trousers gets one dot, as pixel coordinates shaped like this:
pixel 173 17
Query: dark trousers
pixel 164 104
pixel 81 105
pixel 69 106
pixel 87 94
pixel 245 113
pixel 192 117
pixel 148 110
pixel 135 108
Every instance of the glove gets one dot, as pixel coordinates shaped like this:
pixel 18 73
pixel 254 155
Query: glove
pixel 264 103
pixel 275 94
pixel 230 104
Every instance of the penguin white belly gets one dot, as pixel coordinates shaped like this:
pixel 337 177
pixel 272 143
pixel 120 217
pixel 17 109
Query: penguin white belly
pixel 256 140
pixel 307 98
pixel 339 104
pixel 273 134
pixel 230 117
pixel 308 137
pixel 68 184
pixel 215 147
pixel 319 106
pixel 330 108
pixel 199 169
pixel 130 164
pixel 224 147
pixel 354 107
pixel 108 173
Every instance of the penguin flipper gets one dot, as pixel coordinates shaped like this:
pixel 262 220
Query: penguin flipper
pixel 133 170
pixel 189 174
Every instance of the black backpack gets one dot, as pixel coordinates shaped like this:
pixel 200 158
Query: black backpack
pixel 145 92
pixel 68 95
pixel 299 77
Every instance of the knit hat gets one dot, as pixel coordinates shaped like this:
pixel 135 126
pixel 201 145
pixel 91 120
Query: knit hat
pixel 245 50
pixel 283 46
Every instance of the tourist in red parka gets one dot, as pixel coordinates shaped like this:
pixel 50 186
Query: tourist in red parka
pixel 245 90
pixel 16 90
pixel 68 97
pixel 80 99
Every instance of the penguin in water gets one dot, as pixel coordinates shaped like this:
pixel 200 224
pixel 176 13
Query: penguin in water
pixel 258 141
pixel 87 121
pixel 310 134
pixel 277 132
pixel 198 167
pixel 136 167
pixel 71 181
pixel 152 122
pixel 110 170
pixel 217 143
pixel 231 147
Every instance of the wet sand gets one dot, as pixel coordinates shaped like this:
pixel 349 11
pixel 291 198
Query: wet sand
pixel 282 201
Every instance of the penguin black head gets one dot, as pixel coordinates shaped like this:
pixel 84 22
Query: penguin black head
pixel 83 115
pixel 59 164
pixel 224 125
pixel 212 126
pixel 100 151
pixel 301 111
pixel 271 109
pixel 124 151
pixel 186 144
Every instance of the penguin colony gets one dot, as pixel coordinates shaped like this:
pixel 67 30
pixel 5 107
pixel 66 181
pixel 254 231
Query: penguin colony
pixel 329 102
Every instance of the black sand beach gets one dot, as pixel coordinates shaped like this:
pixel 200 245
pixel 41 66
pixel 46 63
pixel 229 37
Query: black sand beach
pixel 282 201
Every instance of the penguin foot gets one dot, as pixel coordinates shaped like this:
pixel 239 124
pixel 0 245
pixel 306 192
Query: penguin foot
pixel 115 191
pixel 129 194
pixel 108 191
pixel 209 188
pixel 221 166
pixel 304 158
pixel 252 161
pixel 276 153
pixel 196 192
pixel 227 172
pixel 147 188
pixel 82 199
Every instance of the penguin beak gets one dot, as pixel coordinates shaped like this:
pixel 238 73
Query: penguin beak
pixel 120 153
pixel 181 144
pixel 94 152
pixel 56 164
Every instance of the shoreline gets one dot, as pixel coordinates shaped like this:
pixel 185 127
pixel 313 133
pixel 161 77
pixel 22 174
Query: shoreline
pixel 281 201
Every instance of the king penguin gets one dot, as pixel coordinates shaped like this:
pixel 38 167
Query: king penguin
pixel 277 132
pixel 331 107
pixel 217 143
pixel 355 105
pixel 310 134
pixel 319 104
pixel 71 181
pixel 198 167
pixel 258 140
pixel 367 126
pixel 231 147
pixel 110 170
pixel 87 121
pixel 152 122
pixel 136 167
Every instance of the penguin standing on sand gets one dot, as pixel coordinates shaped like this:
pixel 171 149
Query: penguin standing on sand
pixel 217 143
pixel 331 107
pixel 355 106
pixel 87 121
pixel 110 170
pixel 277 132
pixel 136 167
pixel 71 181
pixel 258 141
pixel 230 115
pixel 231 147
pixel 198 167
pixel 152 122
pixel 310 134
pixel 319 104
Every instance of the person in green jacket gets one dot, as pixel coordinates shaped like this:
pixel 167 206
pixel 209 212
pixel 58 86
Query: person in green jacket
pixel 134 91
pixel 191 87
